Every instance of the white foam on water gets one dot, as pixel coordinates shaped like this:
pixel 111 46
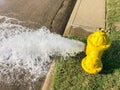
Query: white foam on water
pixel 25 53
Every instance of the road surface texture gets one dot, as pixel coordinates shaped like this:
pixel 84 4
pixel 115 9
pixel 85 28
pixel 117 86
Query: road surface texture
pixel 53 14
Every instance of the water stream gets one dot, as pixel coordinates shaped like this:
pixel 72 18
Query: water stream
pixel 25 53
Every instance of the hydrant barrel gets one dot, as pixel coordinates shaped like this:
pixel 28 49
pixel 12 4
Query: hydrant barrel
pixel 96 44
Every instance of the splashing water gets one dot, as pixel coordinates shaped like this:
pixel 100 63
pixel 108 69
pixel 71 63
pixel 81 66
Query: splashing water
pixel 25 53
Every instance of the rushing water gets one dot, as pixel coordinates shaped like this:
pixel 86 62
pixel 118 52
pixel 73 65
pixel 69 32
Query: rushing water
pixel 25 53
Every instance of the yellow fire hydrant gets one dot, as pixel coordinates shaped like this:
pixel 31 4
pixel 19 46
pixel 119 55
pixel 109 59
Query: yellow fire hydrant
pixel 96 44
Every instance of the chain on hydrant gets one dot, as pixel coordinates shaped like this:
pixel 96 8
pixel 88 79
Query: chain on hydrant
pixel 96 44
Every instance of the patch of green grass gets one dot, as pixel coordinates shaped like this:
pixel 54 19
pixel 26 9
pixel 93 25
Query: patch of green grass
pixel 113 13
pixel 69 75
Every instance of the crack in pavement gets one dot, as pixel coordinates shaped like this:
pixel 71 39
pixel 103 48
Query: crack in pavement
pixel 52 21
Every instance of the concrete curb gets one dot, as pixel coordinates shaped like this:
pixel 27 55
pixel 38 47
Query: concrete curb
pixel 48 81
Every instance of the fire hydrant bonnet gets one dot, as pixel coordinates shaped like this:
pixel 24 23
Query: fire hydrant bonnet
pixel 99 39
